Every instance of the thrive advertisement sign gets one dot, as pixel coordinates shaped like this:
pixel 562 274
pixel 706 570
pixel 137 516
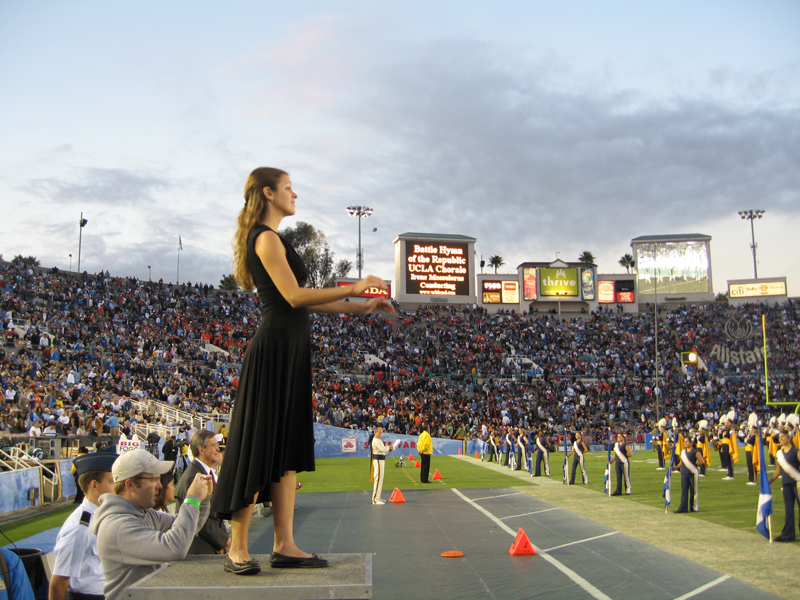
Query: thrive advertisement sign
pixel 559 282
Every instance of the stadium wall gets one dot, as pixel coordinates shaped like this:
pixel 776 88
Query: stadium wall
pixel 338 442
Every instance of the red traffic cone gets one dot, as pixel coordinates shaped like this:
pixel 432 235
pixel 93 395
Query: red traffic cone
pixel 521 546
pixel 397 496
pixel 417 465
pixel 437 475
pixel 411 457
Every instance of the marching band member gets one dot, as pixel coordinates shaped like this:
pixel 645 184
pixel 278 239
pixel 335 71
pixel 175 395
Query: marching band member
pixel 522 444
pixel 542 455
pixel 793 422
pixel 718 428
pixel 725 449
pixel 701 442
pixel 622 453
pixel 378 455
pixel 789 470
pixel 750 449
pixel 487 447
pixel 662 444
pixel 504 460
pixel 511 445
pixel 691 459
pixel 494 441
pixel 773 444
pixel 733 441
pixel 579 448
pixel 531 450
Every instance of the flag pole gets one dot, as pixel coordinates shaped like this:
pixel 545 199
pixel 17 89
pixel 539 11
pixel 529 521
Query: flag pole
pixel 766 389
pixel 769 526
pixel 178 274
pixel 609 460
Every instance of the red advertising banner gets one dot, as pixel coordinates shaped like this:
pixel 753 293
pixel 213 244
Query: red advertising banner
pixel 371 292
pixel 625 297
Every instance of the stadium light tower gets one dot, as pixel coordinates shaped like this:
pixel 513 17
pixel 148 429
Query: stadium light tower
pixel 752 215
pixel 359 211
pixel 70 262
pixel 82 223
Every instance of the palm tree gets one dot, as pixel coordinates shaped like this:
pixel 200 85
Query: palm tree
pixel 627 262
pixel 228 282
pixel 586 257
pixel 496 261
pixel 26 261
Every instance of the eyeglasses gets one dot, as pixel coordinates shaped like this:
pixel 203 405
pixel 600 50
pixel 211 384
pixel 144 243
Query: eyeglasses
pixel 214 445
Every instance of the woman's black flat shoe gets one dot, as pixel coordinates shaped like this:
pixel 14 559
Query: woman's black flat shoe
pixel 279 561
pixel 250 567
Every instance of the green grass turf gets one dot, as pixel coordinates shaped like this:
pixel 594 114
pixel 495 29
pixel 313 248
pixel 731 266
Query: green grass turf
pixel 729 503
pixel 36 523
pixel 352 474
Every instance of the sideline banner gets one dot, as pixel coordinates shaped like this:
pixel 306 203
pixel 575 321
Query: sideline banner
pixel 337 442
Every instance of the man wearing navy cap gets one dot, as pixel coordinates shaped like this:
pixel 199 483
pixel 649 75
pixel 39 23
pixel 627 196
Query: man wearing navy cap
pixel 78 574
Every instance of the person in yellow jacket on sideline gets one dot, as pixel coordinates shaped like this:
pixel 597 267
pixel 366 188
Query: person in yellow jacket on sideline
pixel 425 449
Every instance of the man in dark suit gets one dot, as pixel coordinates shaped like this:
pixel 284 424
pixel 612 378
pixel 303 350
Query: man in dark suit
pixel 213 538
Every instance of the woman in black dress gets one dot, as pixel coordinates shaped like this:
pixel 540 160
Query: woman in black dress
pixel 271 433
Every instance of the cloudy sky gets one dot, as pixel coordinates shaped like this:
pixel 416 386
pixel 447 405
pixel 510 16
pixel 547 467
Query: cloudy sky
pixel 541 128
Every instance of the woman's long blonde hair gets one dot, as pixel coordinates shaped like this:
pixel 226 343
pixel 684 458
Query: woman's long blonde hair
pixel 255 205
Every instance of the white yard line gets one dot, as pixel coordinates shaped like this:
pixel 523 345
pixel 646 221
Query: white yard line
pixel 703 588
pixel 597 537
pixel 536 512
pixel 580 581
pixel 498 496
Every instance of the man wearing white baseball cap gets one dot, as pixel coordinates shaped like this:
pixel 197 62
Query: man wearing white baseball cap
pixel 133 539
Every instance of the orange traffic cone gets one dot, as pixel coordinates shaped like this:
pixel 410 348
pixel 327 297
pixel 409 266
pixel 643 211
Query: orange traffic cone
pixel 521 546
pixel 411 457
pixel 437 475
pixel 397 496
pixel 476 454
pixel 417 465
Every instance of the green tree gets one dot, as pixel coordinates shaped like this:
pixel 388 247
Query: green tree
pixel 586 257
pixel 228 282
pixel 722 297
pixel 311 245
pixel 343 267
pixel 25 261
pixel 496 261
pixel 627 262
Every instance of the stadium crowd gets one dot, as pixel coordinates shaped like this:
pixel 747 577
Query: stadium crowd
pixel 92 344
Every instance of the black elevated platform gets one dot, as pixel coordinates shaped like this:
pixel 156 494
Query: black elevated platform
pixel 349 577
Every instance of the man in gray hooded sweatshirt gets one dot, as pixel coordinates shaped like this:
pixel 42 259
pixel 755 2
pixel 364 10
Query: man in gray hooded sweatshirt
pixel 133 539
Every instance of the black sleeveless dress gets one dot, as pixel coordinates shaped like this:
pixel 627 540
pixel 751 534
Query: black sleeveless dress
pixel 271 428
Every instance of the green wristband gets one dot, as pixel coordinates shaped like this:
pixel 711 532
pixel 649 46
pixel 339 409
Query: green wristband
pixel 193 502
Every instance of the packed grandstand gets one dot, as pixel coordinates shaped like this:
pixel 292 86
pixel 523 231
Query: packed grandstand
pixel 81 346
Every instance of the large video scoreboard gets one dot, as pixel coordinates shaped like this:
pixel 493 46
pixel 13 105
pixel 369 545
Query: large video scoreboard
pixel 435 268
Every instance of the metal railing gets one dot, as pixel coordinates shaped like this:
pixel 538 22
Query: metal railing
pixel 175 415
pixel 17 458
